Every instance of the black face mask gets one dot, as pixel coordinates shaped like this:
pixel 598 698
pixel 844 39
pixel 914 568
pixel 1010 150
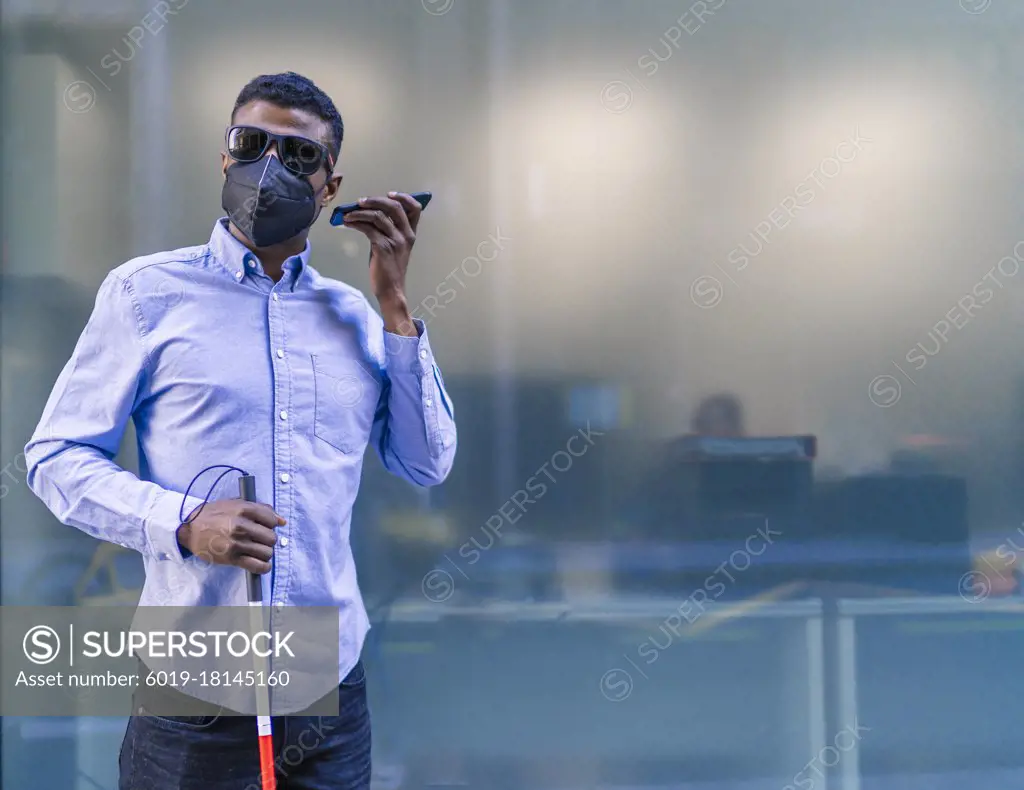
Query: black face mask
pixel 267 201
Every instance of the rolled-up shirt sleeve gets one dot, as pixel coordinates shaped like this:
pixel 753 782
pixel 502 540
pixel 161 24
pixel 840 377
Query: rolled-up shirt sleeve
pixel 414 428
pixel 70 457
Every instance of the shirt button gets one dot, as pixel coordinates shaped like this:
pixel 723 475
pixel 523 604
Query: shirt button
pixel 275 297
pixel 284 415
pixel 279 606
pixel 163 556
pixel 429 401
pixel 238 275
pixel 252 265
pixel 423 354
pixel 280 354
pixel 284 541
pixel 285 477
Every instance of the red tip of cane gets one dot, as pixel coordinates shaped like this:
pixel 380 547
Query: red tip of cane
pixel 267 762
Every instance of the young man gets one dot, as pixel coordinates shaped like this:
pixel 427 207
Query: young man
pixel 238 352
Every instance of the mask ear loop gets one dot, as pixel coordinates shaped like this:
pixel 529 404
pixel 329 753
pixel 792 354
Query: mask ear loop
pixel 192 516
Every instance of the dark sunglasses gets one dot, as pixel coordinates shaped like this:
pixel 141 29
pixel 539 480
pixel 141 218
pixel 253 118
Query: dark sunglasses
pixel 299 154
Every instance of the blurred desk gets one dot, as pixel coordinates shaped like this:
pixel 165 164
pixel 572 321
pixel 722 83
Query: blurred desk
pixel 741 698
pixel 677 569
pixel 729 697
pixel 937 680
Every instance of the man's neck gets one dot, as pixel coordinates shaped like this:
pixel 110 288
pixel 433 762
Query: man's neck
pixel 272 258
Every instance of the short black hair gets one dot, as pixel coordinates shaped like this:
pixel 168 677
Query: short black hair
pixel 295 92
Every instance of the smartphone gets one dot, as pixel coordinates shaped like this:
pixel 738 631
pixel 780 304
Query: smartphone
pixel 338 215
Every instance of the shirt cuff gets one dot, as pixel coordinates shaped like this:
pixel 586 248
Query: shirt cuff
pixel 162 526
pixel 409 354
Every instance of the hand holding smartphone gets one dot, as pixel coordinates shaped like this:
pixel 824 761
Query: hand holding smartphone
pixel 338 215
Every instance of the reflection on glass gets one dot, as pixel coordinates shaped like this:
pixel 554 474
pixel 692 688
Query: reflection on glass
pixel 737 223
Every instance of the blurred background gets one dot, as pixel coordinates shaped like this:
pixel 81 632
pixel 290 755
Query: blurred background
pixel 761 258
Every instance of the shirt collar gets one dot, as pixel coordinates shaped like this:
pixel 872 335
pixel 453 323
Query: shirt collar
pixel 238 261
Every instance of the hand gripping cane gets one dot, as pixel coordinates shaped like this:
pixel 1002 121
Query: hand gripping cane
pixel 247 491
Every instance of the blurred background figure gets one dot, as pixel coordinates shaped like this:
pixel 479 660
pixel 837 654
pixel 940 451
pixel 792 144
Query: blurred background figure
pixel 719 415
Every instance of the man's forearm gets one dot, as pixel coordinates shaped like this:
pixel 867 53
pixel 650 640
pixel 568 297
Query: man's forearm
pixel 397 319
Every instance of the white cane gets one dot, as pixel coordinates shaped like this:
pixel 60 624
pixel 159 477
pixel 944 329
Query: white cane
pixel 247 491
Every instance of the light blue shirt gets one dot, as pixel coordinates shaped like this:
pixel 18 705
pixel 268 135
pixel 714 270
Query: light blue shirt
pixel 217 364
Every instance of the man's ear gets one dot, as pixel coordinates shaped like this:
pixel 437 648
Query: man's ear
pixel 332 188
pixel 225 163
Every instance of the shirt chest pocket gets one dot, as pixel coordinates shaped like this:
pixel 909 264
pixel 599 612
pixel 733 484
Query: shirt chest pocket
pixel 346 397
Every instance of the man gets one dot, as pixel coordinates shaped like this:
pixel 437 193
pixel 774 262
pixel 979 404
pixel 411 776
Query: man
pixel 719 415
pixel 659 505
pixel 238 352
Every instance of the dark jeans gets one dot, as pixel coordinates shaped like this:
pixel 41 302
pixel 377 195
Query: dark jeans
pixel 220 752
